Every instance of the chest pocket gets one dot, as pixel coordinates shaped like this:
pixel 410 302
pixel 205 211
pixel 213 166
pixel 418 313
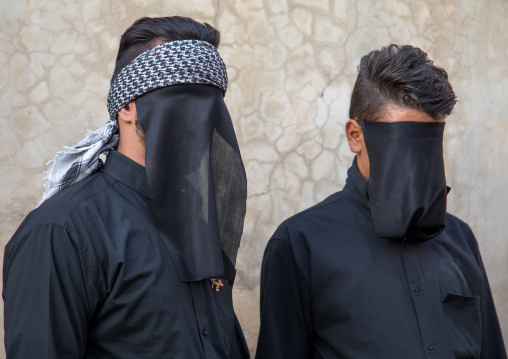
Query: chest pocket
pixel 460 281
pixel 464 324
pixel 460 287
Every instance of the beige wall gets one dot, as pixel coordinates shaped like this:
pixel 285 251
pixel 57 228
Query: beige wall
pixel 291 65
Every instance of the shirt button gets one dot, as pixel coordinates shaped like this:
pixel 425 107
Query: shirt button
pixel 205 332
pixel 430 347
pixel 416 288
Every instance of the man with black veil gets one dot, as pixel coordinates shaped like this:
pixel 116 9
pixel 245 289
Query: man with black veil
pixel 135 258
pixel 379 269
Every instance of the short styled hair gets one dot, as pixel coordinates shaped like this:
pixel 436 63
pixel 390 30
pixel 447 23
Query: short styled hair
pixel 402 76
pixel 147 32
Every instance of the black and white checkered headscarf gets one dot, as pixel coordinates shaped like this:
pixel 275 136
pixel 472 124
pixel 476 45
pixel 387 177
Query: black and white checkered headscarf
pixel 172 63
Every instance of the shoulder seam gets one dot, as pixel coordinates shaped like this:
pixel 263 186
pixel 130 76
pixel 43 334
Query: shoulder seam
pixel 84 253
pixel 313 208
pixel 81 252
pixel 280 239
pixel 11 246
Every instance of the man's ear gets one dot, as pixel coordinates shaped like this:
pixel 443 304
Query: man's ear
pixel 354 134
pixel 128 113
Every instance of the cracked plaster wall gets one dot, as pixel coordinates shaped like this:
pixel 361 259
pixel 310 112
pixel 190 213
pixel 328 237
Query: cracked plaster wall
pixel 291 64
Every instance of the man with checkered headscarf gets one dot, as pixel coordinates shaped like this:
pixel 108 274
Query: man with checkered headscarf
pixel 135 257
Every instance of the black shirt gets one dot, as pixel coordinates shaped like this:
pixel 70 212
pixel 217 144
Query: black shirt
pixel 330 288
pixel 87 276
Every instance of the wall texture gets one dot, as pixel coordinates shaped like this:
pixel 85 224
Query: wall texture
pixel 291 64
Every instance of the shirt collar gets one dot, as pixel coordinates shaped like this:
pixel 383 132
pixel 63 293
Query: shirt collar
pixel 127 172
pixel 356 186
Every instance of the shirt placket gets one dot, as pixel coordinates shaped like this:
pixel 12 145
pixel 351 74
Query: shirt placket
pixel 207 320
pixel 426 301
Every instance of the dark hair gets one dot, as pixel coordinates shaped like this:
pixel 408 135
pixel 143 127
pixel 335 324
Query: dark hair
pixel 403 76
pixel 147 32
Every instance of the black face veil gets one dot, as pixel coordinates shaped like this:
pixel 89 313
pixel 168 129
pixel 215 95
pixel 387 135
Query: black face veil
pixel 196 177
pixel 407 185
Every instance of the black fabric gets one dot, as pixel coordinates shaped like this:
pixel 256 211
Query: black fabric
pixel 331 288
pixel 407 185
pixel 195 175
pixel 87 275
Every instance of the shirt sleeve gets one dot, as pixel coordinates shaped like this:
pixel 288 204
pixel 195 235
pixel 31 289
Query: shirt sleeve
pixel 47 304
pixel 492 339
pixel 285 330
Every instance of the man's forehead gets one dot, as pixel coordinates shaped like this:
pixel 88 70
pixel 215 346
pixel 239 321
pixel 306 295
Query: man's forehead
pixel 395 113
